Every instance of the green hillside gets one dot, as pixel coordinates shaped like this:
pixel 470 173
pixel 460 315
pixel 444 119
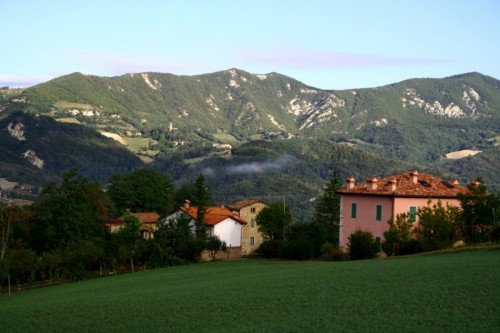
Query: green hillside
pixel 293 133
pixel 37 149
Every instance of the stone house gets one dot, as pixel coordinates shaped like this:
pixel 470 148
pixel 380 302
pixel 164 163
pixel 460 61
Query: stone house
pixel 251 237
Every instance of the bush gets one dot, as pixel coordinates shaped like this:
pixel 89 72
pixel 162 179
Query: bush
pixel 362 245
pixel 270 248
pixel 300 249
pixel 332 252
pixel 410 247
pixel 315 233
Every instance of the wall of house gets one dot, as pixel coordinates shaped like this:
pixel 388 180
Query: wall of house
pixel 228 231
pixel 251 231
pixel 366 213
pixel 366 216
pixel 402 205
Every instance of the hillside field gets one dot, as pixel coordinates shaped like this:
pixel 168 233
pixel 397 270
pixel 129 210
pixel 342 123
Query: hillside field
pixel 455 292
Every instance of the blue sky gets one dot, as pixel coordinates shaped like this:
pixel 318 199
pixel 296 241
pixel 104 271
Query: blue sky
pixel 325 44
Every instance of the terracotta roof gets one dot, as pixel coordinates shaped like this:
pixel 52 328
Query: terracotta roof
pixel 426 186
pixel 150 217
pixel 213 215
pixel 243 203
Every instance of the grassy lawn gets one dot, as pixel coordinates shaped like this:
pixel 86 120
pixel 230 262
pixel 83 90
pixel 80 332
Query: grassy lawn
pixel 225 138
pixel 457 292
pixel 74 105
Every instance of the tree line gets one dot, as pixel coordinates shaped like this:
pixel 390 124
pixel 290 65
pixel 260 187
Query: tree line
pixel 63 235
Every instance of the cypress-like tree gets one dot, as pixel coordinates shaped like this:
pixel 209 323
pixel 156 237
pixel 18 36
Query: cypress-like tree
pixel 327 211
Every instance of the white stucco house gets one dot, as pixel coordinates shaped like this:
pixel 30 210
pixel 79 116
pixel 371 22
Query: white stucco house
pixel 220 222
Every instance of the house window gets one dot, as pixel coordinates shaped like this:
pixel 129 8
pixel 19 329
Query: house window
pixel 378 243
pixel 378 214
pixel 252 223
pixel 252 240
pixel 354 208
pixel 252 210
pixel 413 213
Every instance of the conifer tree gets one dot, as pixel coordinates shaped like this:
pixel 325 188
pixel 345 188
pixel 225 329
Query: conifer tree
pixel 327 211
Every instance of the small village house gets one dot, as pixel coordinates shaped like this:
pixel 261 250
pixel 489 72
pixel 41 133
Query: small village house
pixel 368 206
pixel 147 228
pixel 251 237
pixel 220 221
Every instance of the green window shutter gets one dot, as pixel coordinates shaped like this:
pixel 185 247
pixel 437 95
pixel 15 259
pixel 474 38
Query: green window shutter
pixel 378 243
pixel 252 223
pixel 379 213
pixel 413 213
pixel 354 208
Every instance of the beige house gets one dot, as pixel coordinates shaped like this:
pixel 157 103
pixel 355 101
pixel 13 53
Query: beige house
pixel 147 220
pixel 248 210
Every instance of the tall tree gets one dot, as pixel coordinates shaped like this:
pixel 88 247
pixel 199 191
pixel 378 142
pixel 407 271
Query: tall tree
pixel 9 215
pixel 327 210
pixel 143 190
pixel 273 221
pixel 74 210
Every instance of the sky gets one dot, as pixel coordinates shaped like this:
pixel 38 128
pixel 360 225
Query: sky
pixel 327 44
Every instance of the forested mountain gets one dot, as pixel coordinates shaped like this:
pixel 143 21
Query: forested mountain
pixel 285 136
pixel 37 149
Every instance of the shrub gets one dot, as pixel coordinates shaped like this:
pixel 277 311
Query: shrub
pixel 270 248
pixel 315 233
pixel 362 245
pixel 299 249
pixel 332 252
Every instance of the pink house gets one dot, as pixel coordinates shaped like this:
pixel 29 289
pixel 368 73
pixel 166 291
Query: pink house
pixel 370 205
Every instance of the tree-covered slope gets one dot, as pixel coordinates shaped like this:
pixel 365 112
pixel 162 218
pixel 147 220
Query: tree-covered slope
pixel 35 149
pixel 360 132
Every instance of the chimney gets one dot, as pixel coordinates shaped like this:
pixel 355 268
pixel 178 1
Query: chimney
pixel 393 184
pixel 453 182
pixel 187 203
pixel 475 183
pixel 371 183
pixel 350 183
pixel 414 176
pixel 222 205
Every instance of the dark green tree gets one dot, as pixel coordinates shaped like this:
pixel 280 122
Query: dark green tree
pixel 439 226
pixel 143 190
pixel 398 239
pixel 362 245
pixel 10 217
pixel 74 210
pixel 327 210
pixel 274 220
pixel 480 213
pixel 214 246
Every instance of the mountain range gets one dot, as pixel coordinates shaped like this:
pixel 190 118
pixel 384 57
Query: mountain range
pixel 251 135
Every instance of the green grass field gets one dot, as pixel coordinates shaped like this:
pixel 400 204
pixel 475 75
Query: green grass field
pixel 457 292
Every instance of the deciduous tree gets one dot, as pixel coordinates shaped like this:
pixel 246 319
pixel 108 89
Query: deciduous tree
pixel 143 190
pixel 273 221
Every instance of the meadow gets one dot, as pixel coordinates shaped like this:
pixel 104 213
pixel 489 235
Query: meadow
pixel 454 292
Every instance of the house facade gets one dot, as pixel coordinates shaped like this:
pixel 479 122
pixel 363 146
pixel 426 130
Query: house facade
pixel 368 206
pixel 251 237
pixel 220 221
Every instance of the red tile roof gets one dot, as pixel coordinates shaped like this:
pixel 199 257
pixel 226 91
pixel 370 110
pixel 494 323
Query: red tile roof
pixel 243 203
pixel 151 217
pixel 213 215
pixel 426 186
